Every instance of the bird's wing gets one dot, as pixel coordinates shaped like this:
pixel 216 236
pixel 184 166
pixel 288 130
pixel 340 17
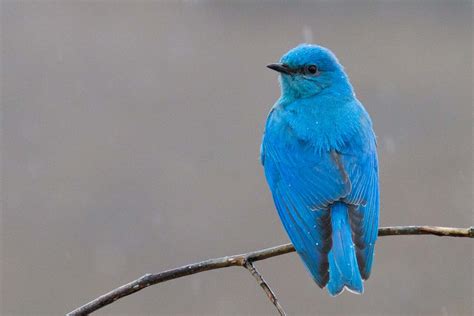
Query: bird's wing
pixel 359 158
pixel 304 184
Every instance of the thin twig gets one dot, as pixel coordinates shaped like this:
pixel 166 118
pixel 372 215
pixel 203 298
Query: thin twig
pixel 271 296
pixel 241 260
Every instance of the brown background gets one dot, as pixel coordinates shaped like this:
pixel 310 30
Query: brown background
pixel 131 135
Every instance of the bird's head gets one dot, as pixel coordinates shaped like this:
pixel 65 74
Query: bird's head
pixel 307 70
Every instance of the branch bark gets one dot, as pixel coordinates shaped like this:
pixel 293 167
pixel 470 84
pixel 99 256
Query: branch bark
pixel 246 260
pixel 266 288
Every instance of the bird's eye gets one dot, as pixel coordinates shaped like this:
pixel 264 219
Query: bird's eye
pixel 312 69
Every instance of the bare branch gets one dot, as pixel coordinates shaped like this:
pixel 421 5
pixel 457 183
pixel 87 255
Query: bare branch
pixel 427 230
pixel 271 296
pixel 243 260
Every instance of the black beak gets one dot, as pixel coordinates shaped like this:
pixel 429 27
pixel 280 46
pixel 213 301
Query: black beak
pixel 282 68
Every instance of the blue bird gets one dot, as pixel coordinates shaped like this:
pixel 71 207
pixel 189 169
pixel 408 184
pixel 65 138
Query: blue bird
pixel 320 160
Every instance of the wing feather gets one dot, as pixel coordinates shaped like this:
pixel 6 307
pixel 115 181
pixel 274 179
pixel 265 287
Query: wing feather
pixel 360 159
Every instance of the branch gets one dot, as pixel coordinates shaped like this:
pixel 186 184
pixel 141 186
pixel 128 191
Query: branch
pixel 271 296
pixel 246 260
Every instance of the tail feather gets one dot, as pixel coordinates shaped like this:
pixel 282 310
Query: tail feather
pixel 343 266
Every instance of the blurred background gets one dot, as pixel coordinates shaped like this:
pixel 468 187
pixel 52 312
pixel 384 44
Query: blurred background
pixel 131 134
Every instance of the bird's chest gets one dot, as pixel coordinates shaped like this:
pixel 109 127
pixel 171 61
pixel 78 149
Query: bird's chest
pixel 320 129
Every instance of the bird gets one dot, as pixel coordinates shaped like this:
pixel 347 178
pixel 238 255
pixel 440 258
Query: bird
pixel 319 155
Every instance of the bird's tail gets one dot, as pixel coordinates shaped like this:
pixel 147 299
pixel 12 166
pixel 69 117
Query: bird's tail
pixel 343 267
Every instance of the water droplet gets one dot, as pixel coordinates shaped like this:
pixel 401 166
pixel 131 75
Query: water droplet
pixel 307 34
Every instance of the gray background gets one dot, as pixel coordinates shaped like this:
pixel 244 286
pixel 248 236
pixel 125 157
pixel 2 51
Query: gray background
pixel 131 135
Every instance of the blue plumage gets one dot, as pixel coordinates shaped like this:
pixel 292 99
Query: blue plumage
pixel 320 160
